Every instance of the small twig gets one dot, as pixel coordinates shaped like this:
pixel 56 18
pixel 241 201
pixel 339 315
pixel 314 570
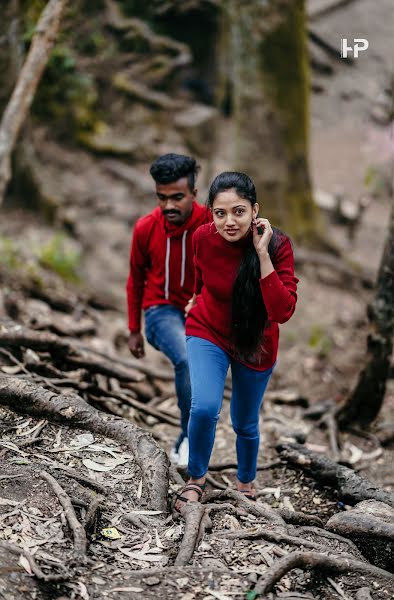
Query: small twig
pixel 315 560
pixel 78 477
pixel 80 541
pixel 332 430
pixel 14 549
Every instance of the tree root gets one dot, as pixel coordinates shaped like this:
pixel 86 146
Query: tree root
pixel 351 487
pixel 14 549
pixel 24 397
pixel 80 541
pixel 197 520
pixel 193 513
pixel 270 536
pixel 315 560
pixel 295 517
pixel 258 509
pixel 234 466
pixel 18 336
pixel 91 514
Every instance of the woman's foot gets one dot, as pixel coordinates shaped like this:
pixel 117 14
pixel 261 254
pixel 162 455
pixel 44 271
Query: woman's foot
pixel 191 492
pixel 247 489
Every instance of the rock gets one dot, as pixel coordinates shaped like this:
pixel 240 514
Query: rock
pixel 214 563
pixel 197 125
pixel 364 593
pixel 230 522
pixel 152 581
pixel 370 525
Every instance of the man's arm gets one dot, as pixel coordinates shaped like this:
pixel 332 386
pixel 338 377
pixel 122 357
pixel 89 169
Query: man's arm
pixel 135 291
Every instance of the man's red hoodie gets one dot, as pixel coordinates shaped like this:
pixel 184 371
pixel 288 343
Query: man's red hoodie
pixel 161 262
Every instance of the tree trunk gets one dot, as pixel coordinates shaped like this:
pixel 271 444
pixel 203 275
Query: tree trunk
pixel 365 402
pixel 23 94
pixel 270 82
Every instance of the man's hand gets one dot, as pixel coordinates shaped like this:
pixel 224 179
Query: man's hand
pixel 192 302
pixel 136 345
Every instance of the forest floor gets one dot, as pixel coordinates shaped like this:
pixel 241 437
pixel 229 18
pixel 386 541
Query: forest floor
pixel 134 546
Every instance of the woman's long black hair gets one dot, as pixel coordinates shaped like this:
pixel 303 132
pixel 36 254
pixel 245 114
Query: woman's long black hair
pixel 249 314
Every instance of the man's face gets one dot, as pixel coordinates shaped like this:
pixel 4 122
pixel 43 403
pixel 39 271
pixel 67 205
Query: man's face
pixel 175 200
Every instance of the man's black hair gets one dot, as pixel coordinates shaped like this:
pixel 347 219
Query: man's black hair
pixel 171 167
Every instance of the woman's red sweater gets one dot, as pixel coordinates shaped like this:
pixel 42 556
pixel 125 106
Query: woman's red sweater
pixel 217 263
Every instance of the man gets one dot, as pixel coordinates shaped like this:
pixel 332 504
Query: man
pixel 161 277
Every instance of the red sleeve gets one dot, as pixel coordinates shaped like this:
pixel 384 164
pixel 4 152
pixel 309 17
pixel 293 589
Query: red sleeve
pixel 279 288
pixel 197 270
pixel 136 280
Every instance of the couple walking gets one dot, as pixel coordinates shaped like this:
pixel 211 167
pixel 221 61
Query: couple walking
pixel 213 282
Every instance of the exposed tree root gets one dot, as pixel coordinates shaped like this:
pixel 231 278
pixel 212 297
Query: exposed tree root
pixel 295 517
pixel 256 508
pixel 234 466
pixel 351 487
pixel 270 536
pixel 18 336
pixel 192 512
pixel 91 514
pixel 197 520
pixel 316 560
pixel 14 549
pixel 25 397
pixel 80 541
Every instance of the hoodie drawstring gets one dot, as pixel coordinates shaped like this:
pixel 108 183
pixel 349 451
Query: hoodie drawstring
pixel 183 258
pixel 167 264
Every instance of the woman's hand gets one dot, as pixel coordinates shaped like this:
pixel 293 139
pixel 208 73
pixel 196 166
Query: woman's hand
pixel 261 241
pixel 192 302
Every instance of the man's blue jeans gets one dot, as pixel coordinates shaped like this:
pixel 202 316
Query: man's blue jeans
pixel 165 331
pixel 208 366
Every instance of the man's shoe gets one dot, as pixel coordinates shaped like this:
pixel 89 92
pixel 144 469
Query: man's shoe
pixel 174 456
pixel 183 453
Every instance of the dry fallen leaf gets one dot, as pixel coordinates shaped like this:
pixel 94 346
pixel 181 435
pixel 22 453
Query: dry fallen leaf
pixel 125 589
pixel 139 491
pixel 107 465
pixel 25 564
pixel 141 555
pixel 111 533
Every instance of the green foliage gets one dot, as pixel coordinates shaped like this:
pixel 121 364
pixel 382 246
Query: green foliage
pixel 92 44
pixel 319 341
pixel 31 11
pixel 66 95
pixel 10 258
pixel 374 181
pixel 56 257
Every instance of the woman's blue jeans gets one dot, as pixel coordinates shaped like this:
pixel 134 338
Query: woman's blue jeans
pixel 165 331
pixel 208 365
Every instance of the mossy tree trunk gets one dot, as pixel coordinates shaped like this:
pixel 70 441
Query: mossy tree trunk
pixel 364 404
pixel 270 83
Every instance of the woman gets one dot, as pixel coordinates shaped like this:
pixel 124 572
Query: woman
pixel 244 287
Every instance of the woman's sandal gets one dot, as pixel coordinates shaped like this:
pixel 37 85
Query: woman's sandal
pixel 249 495
pixel 193 487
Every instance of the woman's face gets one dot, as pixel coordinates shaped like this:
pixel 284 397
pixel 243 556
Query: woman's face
pixel 233 215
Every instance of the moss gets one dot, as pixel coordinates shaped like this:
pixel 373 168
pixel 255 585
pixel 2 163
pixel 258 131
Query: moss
pixel 319 341
pixel 66 96
pixel 56 257
pixel 284 61
pixel 10 258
